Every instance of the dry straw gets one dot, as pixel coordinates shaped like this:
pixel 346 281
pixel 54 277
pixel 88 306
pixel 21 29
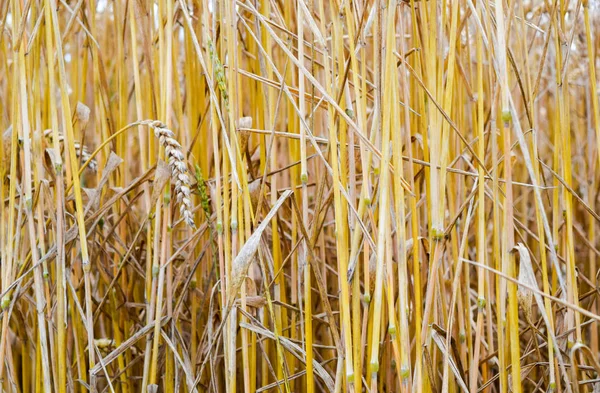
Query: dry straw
pixel 386 196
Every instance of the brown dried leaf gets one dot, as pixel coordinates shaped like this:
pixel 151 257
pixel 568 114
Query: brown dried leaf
pixel 111 165
pixel 161 176
pixel 526 276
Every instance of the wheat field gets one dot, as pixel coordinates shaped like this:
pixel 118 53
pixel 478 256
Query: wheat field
pixel 299 196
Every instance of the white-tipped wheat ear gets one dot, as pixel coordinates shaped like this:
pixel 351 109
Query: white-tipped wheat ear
pixel 176 160
pixel 80 150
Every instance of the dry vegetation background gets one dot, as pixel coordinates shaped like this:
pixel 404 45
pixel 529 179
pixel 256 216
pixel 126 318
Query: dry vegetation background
pixel 299 196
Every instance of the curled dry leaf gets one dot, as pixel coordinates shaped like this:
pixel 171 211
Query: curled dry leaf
pixel 254 190
pixel 242 261
pixel 161 175
pixel 255 301
pixel 526 276
pixel 243 124
pixel 111 165
pixel 83 114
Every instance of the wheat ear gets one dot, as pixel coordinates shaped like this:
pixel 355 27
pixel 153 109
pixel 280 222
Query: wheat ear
pixel 178 167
